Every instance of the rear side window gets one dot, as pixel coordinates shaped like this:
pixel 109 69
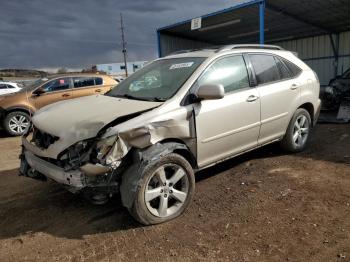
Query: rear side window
pixel 98 81
pixel 265 68
pixel 83 81
pixel 3 86
pixel 86 81
pixel 294 70
pixel 231 72
pixel 282 68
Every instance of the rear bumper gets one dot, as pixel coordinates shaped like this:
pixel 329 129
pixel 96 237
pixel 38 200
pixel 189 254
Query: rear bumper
pixel 317 112
pixel 73 178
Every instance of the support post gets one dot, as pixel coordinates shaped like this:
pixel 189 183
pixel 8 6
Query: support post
pixel 124 45
pixel 335 47
pixel 262 22
pixel 336 61
pixel 158 44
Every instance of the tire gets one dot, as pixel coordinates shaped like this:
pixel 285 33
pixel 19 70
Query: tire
pixel 296 139
pixel 16 123
pixel 148 210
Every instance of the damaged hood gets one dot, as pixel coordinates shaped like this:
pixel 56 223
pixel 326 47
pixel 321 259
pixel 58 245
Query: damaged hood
pixel 82 118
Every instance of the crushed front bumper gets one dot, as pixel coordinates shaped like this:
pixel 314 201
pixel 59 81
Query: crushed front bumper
pixel 74 178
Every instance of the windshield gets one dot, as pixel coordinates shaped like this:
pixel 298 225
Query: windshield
pixel 32 85
pixel 157 81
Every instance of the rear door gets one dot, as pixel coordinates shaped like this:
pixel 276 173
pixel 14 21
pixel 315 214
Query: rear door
pixel 279 95
pixel 229 125
pixel 55 90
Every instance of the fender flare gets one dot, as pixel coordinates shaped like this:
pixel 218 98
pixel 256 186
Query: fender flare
pixel 132 176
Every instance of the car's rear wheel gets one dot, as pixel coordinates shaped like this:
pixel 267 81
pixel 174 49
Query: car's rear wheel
pixel 16 123
pixel 166 190
pixel 298 131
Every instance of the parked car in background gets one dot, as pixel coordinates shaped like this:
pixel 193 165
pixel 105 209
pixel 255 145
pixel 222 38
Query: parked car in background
pixel 9 87
pixel 118 78
pixel 15 109
pixel 337 91
pixel 177 115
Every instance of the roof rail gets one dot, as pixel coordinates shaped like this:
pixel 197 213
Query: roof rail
pixel 181 52
pixel 253 46
pixel 212 48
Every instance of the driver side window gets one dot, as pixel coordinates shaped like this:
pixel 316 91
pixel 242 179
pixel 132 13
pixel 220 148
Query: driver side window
pixel 231 72
pixel 57 85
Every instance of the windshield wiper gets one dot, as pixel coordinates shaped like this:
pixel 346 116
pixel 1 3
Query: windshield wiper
pixel 155 99
pixel 158 99
pixel 132 97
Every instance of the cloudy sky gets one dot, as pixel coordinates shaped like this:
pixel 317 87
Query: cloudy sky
pixel 79 33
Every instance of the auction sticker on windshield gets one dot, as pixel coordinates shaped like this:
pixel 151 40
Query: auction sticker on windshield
pixel 181 65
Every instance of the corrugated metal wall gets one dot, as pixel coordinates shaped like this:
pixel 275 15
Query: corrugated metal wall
pixel 170 44
pixel 344 52
pixel 316 51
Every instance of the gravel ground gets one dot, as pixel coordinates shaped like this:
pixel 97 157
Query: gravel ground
pixel 262 206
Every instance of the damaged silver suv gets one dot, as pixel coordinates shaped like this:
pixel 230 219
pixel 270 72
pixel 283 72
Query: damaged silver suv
pixel 177 115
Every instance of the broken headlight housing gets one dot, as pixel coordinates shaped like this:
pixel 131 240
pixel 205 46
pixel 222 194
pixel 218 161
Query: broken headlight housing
pixel 111 150
pixel 104 146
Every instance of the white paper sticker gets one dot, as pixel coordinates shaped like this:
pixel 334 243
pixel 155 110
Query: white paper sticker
pixel 196 23
pixel 181 65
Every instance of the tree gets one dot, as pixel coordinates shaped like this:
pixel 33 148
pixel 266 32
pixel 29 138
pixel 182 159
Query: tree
pixel 62 70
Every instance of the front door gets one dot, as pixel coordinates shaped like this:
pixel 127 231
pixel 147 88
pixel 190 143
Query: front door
pixel 54 91
pixel 230 125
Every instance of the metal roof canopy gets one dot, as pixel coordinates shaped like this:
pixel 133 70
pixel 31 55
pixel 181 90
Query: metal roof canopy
pixel 267 21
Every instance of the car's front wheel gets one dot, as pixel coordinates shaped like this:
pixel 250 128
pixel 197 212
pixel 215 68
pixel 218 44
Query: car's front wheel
pixel 166 190
pixel 16 123
pixel 298 131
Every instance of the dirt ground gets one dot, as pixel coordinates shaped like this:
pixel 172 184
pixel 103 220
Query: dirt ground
pixel 263 206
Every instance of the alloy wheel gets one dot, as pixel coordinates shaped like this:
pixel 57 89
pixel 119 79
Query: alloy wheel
pixel 166 190
pixel 300 131
pixel 18 124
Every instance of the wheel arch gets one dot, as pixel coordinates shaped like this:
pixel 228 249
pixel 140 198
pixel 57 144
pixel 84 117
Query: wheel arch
pixel 183 151
pixel 142 157
pixel 21 109
pixel 310 109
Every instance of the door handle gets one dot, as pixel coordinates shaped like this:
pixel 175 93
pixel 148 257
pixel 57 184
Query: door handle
pixel 65 95
pixel 252 98
pixel 294 86
pixel 98 90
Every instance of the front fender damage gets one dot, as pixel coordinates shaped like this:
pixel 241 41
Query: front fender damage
pixel 146 144
pixel 180 127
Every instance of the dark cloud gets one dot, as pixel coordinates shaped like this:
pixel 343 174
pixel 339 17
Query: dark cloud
pixel 52 33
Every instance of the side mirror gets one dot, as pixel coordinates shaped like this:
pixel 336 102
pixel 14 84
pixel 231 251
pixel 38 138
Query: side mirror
pixel 210 92
pixel 39 91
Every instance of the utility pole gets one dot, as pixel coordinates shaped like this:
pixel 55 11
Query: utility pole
pixel 123 44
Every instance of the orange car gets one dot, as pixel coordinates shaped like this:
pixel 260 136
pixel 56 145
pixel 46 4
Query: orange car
pixel 15 109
